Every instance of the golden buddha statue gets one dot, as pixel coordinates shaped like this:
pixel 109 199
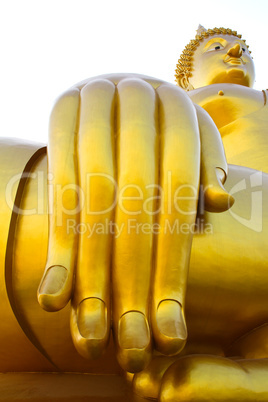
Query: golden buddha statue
pixel 130 210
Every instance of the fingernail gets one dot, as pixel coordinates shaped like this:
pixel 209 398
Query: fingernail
pixel 134 342
pixel 170 319
pixel 133 331
pixel 54 280
pixel 92 318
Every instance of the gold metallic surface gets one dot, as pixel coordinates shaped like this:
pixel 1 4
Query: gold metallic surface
pixel 48 332
pixel 179 268
pixel 137 150
pixel 196 378
pixel 13 341
pixel 180 154
pixel 56 285
pixel 64 387
pixel 96 156
pixel 137 153
pixel 124 119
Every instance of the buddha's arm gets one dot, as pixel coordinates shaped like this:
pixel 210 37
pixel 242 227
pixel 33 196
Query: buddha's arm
pixel 110 134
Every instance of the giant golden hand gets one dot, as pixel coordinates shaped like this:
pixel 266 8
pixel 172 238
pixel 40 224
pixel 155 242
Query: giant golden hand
pixel 132 134
pixel 124 165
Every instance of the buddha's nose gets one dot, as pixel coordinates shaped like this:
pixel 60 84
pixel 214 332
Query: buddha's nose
pixel 235 51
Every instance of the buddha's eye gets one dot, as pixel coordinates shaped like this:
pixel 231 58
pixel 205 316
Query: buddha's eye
pixel 243 49
pixel 215 46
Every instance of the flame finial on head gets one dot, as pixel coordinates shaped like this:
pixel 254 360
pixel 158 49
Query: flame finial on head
pixel 200 29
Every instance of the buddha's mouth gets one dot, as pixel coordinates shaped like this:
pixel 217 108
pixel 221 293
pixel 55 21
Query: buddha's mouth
pixel 234 60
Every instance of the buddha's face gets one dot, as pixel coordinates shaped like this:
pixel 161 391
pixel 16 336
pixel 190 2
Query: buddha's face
pixel 222 59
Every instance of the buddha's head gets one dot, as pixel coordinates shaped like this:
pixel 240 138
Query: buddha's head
pixel 216 55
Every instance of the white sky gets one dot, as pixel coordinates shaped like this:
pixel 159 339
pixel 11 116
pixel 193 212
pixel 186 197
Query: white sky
pixel 47 46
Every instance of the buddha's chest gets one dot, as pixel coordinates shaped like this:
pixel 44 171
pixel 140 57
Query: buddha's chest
pixel 242 119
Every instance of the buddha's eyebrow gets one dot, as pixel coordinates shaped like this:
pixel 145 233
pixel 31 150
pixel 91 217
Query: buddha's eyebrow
pixel 223 42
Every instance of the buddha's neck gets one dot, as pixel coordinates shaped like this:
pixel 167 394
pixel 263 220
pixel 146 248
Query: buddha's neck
pixel 227 102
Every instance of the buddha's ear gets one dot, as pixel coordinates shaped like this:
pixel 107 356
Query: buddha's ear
pixel 183 82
